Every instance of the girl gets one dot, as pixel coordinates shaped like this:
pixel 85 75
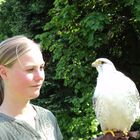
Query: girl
pixel 21 77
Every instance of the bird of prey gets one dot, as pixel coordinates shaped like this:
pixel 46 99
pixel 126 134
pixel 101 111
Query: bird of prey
pixel 115 99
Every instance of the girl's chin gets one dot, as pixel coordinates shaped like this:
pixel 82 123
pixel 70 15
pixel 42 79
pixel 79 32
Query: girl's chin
pixel 35 95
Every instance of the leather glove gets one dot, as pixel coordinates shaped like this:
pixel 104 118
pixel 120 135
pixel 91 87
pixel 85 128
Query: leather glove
pixel 119 136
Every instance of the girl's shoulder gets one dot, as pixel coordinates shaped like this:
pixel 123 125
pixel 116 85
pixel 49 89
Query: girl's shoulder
pixel 44 113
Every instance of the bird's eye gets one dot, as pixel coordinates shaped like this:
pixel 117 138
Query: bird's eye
pixel 102 62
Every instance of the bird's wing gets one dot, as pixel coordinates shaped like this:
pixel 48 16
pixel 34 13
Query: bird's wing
pixel 131 88
pixel 138 102
pixel 94 101
pixel 118 84
pixel 96 93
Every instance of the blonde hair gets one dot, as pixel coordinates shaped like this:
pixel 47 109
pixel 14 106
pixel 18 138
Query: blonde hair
pixel 10 50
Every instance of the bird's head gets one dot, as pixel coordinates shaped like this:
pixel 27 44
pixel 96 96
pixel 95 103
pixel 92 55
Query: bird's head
pixel 103 64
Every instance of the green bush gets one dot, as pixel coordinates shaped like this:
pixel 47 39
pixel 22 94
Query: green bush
pixel 73 34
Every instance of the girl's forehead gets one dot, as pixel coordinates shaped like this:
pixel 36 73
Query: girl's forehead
pixel 33 56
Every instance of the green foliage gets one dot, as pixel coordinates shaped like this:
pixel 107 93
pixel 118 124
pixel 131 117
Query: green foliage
pixel 72 39
pixel 77 33
pixel 23 17
pixel 73 34
pixel 1 1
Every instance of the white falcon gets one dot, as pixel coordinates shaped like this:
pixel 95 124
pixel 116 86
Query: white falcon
pixel 115 99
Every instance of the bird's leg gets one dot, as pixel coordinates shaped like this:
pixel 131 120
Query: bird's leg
pixel 109 131
pixel 125 133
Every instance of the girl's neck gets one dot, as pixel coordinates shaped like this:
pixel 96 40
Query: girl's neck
pixel 14 109
pixel 24 113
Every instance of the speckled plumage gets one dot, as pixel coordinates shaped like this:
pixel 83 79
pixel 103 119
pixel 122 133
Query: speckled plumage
pixel 115 99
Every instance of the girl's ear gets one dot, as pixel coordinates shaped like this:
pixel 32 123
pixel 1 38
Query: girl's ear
pixel 3 72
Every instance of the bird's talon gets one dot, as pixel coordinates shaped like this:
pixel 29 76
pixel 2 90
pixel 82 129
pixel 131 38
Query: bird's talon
pixel 125 133
pixel 109 131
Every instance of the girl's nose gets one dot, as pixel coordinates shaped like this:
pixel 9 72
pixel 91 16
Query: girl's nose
pixel 39 75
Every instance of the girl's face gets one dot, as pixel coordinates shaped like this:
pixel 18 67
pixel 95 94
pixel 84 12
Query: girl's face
pixel 25 78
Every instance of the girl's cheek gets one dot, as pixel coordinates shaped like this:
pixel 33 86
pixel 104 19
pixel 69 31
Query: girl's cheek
pixel 25 77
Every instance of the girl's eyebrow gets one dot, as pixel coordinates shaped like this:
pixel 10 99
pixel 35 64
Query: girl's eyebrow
pixel 34 65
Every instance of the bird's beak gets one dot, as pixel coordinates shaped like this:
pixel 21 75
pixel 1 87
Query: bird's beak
pixel 94 64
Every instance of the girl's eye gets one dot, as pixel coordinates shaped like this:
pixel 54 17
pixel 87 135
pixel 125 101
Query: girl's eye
pixel 42 68
pixel 30 70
